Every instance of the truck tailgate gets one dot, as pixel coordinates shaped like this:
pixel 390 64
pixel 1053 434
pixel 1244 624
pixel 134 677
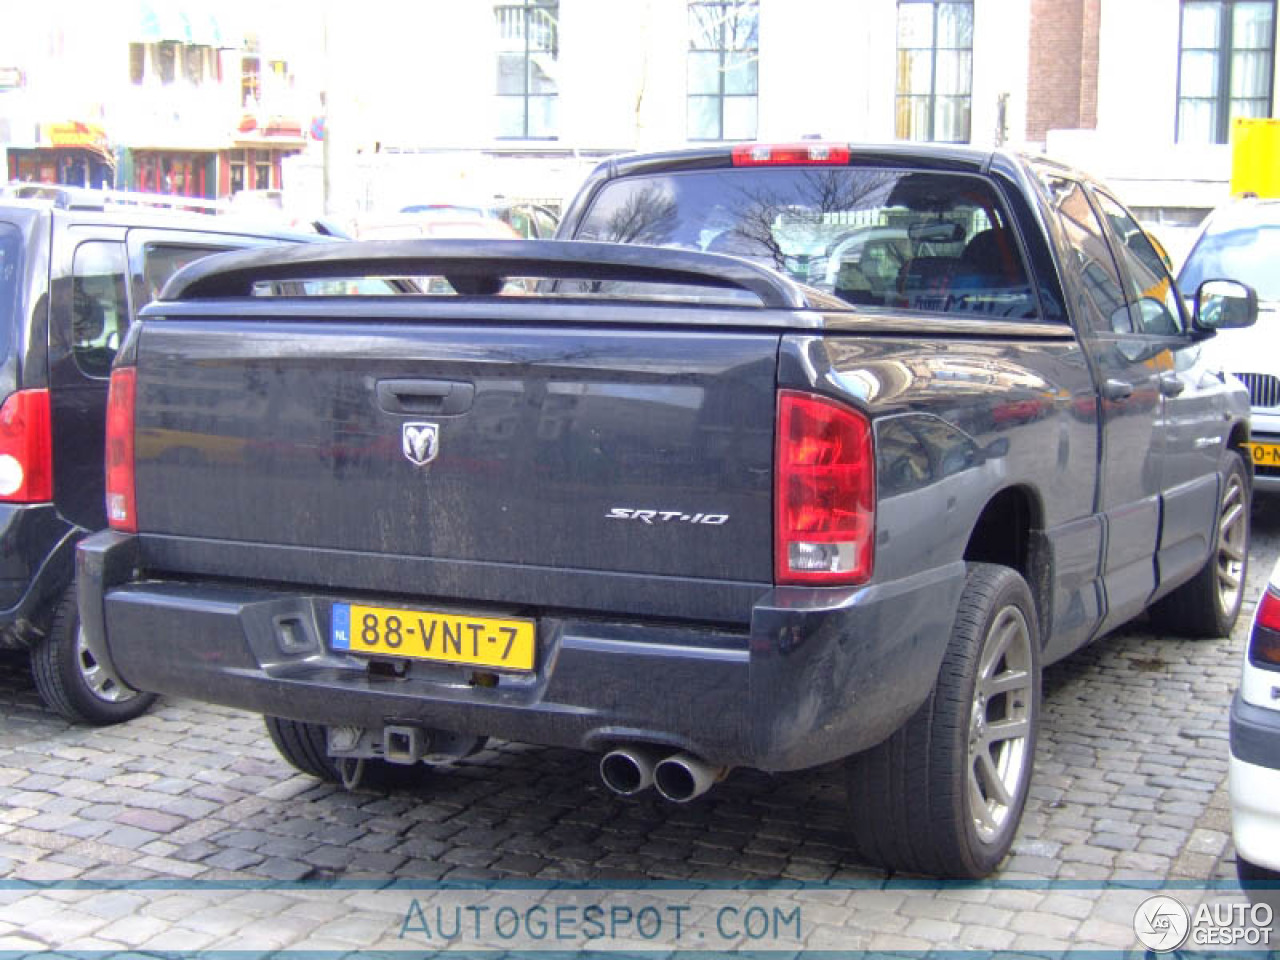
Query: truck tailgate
pixel 609 449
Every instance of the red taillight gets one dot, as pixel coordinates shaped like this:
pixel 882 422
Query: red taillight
pixel 789 154
pixel 122 511
pixel 1264 643
pixel 824 494
pixel 26 448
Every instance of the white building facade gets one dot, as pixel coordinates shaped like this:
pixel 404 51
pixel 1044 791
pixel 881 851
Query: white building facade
pixel 427 101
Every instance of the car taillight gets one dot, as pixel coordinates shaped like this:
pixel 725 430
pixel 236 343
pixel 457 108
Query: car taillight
pixel 1264 643
pixel 789 154
pixel 122 511
pixel 26 448
pixel 824 492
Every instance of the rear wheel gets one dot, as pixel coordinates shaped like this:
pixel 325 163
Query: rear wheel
pixel 70 679
pixel 305 746
pixel 1207 605
pixel 944 795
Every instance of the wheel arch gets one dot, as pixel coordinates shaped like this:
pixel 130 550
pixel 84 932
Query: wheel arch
pixel 1009 532
pixel 1237 437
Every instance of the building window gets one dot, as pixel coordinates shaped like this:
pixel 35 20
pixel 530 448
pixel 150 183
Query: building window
pixel 723 78
pixel 168 62
pixel 137 62
pixel 935 70
pixel 528 50
pixel 166 56
pixel 262 170
pixel 1227 53
pixel 250 82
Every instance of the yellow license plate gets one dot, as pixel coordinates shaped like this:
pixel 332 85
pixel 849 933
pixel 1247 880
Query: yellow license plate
pixel 1265 454
pixel 429 635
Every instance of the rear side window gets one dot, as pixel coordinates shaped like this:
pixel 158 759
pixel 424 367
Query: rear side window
pixel 10 270
pixel 1091 256
pixel 1153 299
pixel 936 242
pixel 99 307
pixel 160 261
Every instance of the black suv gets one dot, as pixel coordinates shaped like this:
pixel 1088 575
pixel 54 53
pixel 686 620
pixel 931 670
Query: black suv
pixel 71 281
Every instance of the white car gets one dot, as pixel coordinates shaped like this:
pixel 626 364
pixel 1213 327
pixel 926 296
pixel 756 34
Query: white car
pixel 1241 241
pixel 1255 747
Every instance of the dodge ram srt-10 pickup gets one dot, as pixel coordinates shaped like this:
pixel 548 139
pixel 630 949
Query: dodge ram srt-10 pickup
pixel 777 456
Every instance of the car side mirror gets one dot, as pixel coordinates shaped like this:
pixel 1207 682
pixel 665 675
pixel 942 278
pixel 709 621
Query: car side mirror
pixel 1224 305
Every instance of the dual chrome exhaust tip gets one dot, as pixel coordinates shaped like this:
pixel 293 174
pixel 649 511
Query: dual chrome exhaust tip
pixel 678 777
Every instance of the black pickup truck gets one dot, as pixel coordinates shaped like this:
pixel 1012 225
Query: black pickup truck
pixel 935 421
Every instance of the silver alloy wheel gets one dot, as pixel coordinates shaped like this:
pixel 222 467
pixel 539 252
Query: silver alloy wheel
pixel 95 678
pixel 1000 722
pixel 1233 536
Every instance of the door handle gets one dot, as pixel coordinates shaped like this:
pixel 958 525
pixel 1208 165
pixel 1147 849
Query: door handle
pixel 1117 390
pixel 437 398
pixel 1171 384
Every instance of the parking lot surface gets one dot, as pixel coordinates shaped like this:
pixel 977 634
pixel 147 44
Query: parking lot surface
pixel 184 830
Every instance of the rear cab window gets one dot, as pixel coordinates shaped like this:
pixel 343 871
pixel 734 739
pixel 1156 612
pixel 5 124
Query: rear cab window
pixel 160 261
pixel 874 238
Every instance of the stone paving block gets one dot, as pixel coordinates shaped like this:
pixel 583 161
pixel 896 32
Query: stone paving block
pixel 133 931
pixel 65 925
pixel 1115 841
pixel 189 807
pixel 20 945
pixel 897 943
pixel 131 838
pixel 1039 945
pixel 180 939
pixel 358 932
pixel 278 868
pixel 46 871
pixel 231 859
pixel 1210 842
pixel 151 820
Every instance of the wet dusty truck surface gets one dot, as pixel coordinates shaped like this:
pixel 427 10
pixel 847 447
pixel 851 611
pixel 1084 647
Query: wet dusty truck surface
pixel 780 456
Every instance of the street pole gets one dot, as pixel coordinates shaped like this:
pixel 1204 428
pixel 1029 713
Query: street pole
pixel 325 150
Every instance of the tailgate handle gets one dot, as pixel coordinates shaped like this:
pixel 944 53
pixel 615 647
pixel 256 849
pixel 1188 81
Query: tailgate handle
pixel 440 398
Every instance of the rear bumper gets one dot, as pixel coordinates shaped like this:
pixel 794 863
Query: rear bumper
pixel 1255 783
pixel 818 675
pixel 37 557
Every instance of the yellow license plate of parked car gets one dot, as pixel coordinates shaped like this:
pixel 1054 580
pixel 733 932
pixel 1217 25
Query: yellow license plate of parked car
pixel 429 635
pixel 1265 454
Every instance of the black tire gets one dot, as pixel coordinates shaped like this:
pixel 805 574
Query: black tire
pixel 69 679
pixel 1260 885
pixel 1207 605
pixel 305 746
pixel 924 801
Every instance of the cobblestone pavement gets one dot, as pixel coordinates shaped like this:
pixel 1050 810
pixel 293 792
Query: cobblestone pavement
pixel 1129 787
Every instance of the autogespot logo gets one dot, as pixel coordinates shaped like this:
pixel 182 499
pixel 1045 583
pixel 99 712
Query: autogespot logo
pixel 1162 924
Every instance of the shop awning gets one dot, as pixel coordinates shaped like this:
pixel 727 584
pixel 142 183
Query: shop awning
pixel 77 136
